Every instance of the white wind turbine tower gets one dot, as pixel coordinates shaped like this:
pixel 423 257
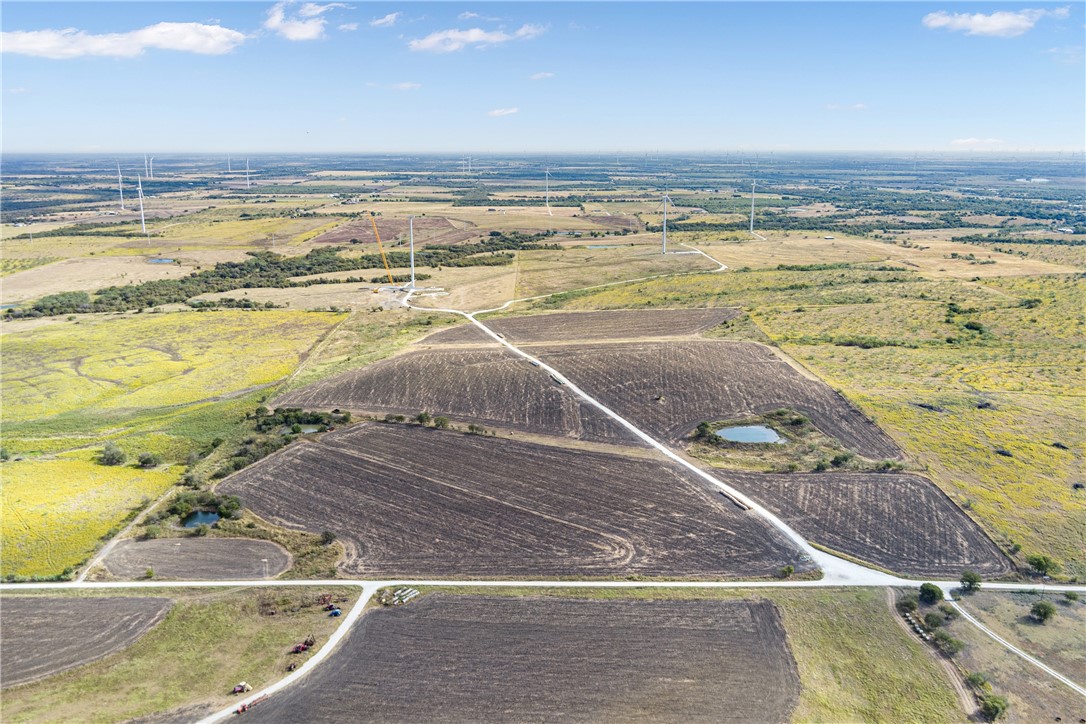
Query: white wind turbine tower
pixel 246 173
pixel 411 234
pixel 547 198
pixel 144 164
pixel 667 200
pixel 143 222
pixel 753 183
pixel 120 185
pixel 151 168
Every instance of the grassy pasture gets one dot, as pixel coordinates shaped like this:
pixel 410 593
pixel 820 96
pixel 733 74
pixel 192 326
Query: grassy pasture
pixel 162 383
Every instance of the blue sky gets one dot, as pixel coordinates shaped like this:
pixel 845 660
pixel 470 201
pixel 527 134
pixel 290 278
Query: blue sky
pixel 508 77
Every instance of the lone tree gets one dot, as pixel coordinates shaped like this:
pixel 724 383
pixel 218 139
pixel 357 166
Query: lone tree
pixel 970 581
pixel 441 422
pixel 327 537
pixel 423 418
pixel 1043 564
pixel 112 455
pixel 930 593
pixel 1042 611
pixel 149 460
pixel 993 707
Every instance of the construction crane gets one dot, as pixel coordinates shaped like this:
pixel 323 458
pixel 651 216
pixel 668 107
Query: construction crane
pixel 373 220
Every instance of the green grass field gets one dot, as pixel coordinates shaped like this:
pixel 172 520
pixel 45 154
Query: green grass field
pixel 167 384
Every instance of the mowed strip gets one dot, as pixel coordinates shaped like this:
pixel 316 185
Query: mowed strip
pixel 491 659
pixel 667 388
pixel 898 522
pixel 586 326
pixel 491 387
pixel 216 559
pixel 42 636
pixel 410 501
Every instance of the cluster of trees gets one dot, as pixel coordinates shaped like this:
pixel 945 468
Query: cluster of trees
pixel 267 269
pixel 291 416
pixel 111 454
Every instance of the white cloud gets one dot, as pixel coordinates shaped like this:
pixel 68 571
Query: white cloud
pixel 348 27
pixel 293 27
pixel 406 86
pixel 541 76
pixel 18 91
pixel 498 112
pixel 386 22
pixel 1067 54
pixel 468 15
pixel 846 107
pixel 312 10
pixel 448 41
pixel 1001 24
pixel 976 142
pixel 73 43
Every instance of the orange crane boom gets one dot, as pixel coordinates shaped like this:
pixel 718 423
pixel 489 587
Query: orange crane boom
pixel 373 220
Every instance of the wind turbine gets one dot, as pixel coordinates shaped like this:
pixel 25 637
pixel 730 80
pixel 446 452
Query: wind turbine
pixel 120 185
pixel 246 173
pixel 143 222
pixel 547 198
pixel 667 200
pixel 753 183
pixel 411 233
pixel 144 164
pixel 151 168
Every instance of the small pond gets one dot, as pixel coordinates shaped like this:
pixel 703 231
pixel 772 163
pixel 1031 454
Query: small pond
pixel 306 429
pixel 200 517
pixel 160 261
pixel 749 433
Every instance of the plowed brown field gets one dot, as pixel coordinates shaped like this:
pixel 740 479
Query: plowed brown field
pixel 667 388
pixel 494 659
pixel 899 522
pixel 42 636
pixel 219 559
pixel 492 387
pixel 419 502
pixel 585 326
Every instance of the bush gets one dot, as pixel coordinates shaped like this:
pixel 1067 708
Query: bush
pixel 907 604
pixel 970 581
pixel 112 455
pixel 327 537
pixel 949 612
pixel 1042 611
pixel 441 422
pixel 993 707
pixel 201 530
pixel 978 681
pixel 841 459
pixel 423 418
pixel 149 573
pixel 151 532
pixel 947 643
pixel 933 620
pixel 149 460
pixel 1070 596
pixel 930 594
pixel 1043 564
pixel 786 571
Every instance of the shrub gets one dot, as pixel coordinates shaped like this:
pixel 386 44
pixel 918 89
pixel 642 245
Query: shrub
pixel 786 571
pixel 149 573
pixel 201 530
pixel 151 532
pixel 441 422
pixel 949 612
pixel 933 620
pixel 149 460
pixel 978 681
pixel 841 459
pixel 1043 564
pixel 907 604
pixel 1070 596
pixel 947 643
pixel 390 417
pixel 327 537
pixel 970 581
pixel 423 418
pixel 993 707
pixel 1042 611
pixel 930 593
pixel 112 455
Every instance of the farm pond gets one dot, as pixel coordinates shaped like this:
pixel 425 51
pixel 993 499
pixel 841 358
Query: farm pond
pixel 750 433
pixel 200 517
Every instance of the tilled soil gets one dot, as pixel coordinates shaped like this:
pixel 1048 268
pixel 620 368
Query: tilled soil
pixel 491 387
pixel 586 326
pixel 417 502
pixel 498 659
pixel 667 388
pixel 217 559
pixel 42 636
pixel 899 522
